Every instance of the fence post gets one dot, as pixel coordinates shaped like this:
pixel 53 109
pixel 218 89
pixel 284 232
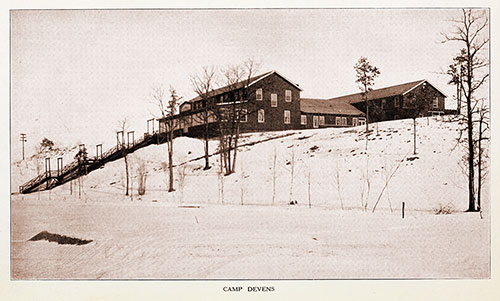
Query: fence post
pixel 98 151
pixel 47 170
pixel 59 166
pixel 131 133
pixel 403 210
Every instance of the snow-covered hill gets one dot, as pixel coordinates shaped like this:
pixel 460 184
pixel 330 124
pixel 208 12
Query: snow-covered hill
pixel 331 168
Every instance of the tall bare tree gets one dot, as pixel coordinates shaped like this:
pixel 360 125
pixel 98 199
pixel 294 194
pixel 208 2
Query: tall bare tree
pixel 232 109
pixel 471 32
pixel 204 85
pixel 365 76
pixel 418 107
pixel 168 108
pixel 482 156
pixel 123 127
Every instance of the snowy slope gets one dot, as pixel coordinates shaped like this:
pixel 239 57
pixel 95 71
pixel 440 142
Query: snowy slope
pixel 336 160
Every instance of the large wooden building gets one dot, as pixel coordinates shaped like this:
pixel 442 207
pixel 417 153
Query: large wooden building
pixel 272 103
pixel 399 101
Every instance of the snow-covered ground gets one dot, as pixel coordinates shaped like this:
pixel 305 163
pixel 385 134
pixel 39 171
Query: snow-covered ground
pixel 197 232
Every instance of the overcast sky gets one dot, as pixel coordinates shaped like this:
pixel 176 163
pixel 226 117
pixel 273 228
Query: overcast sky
pixel 74 74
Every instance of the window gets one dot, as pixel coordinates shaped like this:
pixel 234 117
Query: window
pixel 274 100
pixel 355 121
pixel 288 95
pixel 410 101
pixel 303 119
pixel 396 102
pixel 337 120
pixel 243 115
pixel 383 104
pixel 321 120
pixel 435 103
pixel 258 94
pixel 163 127
pixel 315 122
pixel 286 116
pixel 362 121
pixel 344 120
pixel 260 116
pixel 223 114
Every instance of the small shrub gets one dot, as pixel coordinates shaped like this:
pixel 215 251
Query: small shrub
pixel 142 176
pixel 446 209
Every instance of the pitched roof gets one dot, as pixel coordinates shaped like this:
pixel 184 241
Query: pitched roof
pixel 241 84
pixel 383 92
pixel 327 106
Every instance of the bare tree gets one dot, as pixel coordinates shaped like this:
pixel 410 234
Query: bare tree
pixel 483 122
pixel 365 76
pixel 418 107
pixel 309 183
pixel 337 184
pixel 275 156
pixel 181 179
pixel 232 109
pixel 142 175
pixel 387 181
pixel 365 185
pixel 123 127
pixel 168 108
pixel 204 85
pixel 292 167
pixel 471 31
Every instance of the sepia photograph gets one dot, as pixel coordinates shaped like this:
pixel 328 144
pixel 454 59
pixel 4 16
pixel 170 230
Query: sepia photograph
pixel 250 144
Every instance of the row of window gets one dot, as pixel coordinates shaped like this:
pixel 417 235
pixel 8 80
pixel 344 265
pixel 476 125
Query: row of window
pixel 317 120
pixel 340 121
pixel 261 118
pixel 413 99
pixel 259 95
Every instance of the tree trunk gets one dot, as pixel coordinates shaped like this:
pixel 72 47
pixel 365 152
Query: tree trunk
pixel 126 173
pixel 414 136
pixel 309 186
pixel 367 112
pixel 470 158
pixel 480 154
pixel 235 150
pixel 470 126
pixel 228 154
pixel 292 163
pixel 274 176
pixel 207 163
pixel 170 165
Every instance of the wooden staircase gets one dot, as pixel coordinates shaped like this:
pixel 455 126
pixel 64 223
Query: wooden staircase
pixel 53 178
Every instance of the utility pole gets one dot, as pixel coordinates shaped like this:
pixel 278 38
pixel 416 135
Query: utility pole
pixel 23 139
